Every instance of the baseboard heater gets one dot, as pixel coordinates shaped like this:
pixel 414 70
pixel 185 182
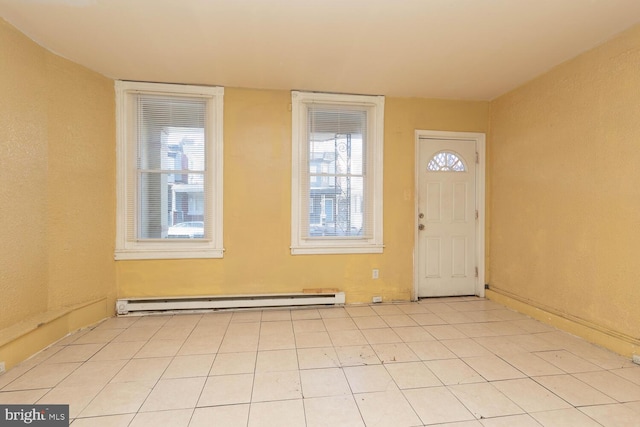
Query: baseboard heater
pixel 139 306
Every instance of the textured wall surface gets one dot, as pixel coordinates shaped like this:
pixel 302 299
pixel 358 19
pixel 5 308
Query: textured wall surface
pixel 81 183
pixel 23 177
pixel 565 199
pixel 257 208
pixel 57 133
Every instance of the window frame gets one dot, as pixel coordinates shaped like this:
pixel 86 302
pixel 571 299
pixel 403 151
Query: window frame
pixel 131 249
pixel 374 105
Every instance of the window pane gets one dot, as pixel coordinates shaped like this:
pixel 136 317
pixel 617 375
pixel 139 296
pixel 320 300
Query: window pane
pixel 167 126
pixel 171 137
pixel 336 174
pixel 184 148
pixel 171 209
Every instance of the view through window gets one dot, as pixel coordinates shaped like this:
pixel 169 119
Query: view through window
pixel 171 168
pixel 336 184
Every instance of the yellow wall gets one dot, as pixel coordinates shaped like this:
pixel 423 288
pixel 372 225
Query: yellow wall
pixel 23 177
pixel 80 184
pixel 565 198
pixel 57 127
pixel 257 208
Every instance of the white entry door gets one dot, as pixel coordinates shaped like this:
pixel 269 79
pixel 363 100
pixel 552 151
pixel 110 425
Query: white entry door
pixel 446 244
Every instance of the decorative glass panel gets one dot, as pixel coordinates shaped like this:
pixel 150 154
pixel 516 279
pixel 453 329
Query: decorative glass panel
pixel 446 161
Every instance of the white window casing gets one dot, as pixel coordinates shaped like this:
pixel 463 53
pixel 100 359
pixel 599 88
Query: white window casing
pixel 337 173
pixel 169 151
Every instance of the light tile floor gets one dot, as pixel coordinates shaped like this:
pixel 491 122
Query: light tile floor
pixel 455 361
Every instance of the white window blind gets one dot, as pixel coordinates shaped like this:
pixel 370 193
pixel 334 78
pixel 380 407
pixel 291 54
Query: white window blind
pixel 169 171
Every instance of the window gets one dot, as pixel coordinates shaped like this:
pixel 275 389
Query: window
pixel 337 143
pixel 446 161
pixel 169 178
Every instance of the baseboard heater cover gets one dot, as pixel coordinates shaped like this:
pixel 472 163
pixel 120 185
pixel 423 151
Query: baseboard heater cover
pixel 129 306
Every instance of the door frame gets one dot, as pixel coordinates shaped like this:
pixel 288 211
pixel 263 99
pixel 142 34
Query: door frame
pixel 479 139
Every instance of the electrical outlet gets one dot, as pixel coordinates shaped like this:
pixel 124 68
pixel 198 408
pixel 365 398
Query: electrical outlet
pixel 636 359
pixel 377 299
pixel 375 273
pixel 2 367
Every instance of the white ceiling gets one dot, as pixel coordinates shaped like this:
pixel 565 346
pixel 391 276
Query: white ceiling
pixel 461 49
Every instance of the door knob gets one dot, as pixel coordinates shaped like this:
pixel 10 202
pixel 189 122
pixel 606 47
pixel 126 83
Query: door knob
pixel 420 215
pixel 420 226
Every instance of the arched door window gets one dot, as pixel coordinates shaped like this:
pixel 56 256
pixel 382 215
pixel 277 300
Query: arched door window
pixel 446 161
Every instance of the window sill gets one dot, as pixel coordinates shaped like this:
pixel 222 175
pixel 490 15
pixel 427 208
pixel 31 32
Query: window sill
pixel 326 250
pixel 190 253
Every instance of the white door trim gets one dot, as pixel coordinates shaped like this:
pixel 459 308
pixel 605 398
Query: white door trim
pixel 480 142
